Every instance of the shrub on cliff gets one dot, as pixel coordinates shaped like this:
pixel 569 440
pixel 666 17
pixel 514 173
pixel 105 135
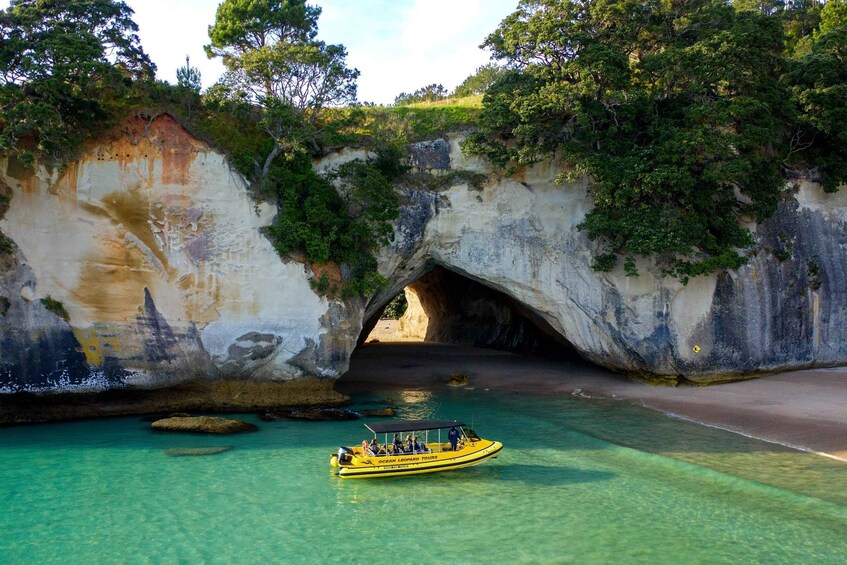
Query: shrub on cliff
pixel 342 216
pixel 276 65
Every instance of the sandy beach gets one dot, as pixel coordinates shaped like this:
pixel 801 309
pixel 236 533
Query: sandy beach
pixel 806 410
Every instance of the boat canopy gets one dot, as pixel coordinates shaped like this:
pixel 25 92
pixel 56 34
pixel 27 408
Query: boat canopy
pixel 411 426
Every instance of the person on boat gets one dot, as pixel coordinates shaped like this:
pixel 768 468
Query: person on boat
pixel 410 447
pixel 419 447
pixel 366 450
pixel 413 445
pixel 374 447
pixel 398 445
pixel 453 438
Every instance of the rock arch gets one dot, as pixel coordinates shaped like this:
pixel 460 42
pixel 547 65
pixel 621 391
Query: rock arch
pixel 446 307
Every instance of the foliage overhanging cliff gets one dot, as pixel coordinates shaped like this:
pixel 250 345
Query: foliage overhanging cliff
pixel 685 115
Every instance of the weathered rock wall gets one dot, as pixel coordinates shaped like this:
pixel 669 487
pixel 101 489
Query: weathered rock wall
pixel 786 309
pixel 144 263
pixel 153 247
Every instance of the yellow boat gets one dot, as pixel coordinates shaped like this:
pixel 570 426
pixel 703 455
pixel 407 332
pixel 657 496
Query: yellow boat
pixel 414 457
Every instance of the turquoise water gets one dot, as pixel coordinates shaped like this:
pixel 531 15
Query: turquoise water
pixel 579 481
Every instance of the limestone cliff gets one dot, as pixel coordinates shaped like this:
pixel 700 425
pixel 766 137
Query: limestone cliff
pixel 144 263
pixel 786 309
pixel 152 244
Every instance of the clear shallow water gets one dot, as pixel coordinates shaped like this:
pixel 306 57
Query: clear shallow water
pixel 579 481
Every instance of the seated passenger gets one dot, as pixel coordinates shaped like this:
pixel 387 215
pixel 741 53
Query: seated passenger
pixel 410 447
pixel 397 445
pixel 374 447
pixel 417 447
pixel 366 449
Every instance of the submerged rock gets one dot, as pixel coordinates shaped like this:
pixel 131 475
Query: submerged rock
pixel 458 380
pixel 379 413
pixel 196 451
pixel 204 425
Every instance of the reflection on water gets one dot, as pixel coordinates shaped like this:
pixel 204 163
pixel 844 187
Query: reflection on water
pixel 419 404
pixel 415 396
pixel 578 480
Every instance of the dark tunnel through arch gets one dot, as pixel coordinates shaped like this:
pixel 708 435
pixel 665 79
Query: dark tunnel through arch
pixel 449 308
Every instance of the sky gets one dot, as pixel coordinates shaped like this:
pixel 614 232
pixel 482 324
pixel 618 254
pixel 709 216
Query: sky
pixel 398 45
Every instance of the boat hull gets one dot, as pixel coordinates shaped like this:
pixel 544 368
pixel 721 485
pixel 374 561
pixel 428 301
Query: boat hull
pixel 400 465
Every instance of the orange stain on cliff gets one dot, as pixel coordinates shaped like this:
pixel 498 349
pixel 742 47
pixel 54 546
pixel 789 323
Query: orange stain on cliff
pixel 161 137
pixel 69 181
pixel 176 167
pixel 137 215
pixel 331 270
pixel 202 297
pixel 112 281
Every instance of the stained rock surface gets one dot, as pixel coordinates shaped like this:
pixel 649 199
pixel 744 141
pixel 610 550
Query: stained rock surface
pixel 144 264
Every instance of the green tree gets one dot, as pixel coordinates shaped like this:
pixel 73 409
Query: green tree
pixel 800 20
pixel 818 83
pixel 61 64
pixel 769 7
pixel 671 108
pixel 188 77
pixel 479 81
pixel 271 53
pixel 833 16
pixel 188 83
pixel 342 217
pixel 396 308
pixel 429 93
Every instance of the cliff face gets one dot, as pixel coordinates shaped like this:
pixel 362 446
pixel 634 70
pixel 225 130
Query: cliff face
pixel 152 245
pixel 143 263
pixel 519 236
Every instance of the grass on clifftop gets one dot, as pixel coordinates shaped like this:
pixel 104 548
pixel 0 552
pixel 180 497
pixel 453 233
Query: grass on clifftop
pixel 361 125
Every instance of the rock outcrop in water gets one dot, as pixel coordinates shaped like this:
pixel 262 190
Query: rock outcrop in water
pixel 203 425
pixel 143 264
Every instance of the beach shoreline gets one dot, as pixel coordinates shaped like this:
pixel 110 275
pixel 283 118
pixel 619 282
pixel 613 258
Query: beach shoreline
pixel 803 410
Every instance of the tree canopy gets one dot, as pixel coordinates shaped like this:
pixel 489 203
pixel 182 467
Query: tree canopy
pixel 680 113
pixel 271 53
pixel 60 64
pixel 479 81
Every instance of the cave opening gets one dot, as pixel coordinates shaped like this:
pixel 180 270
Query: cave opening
pixel 442 306
pixel 444 323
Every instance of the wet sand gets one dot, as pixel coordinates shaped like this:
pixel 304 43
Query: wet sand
pixel 806 410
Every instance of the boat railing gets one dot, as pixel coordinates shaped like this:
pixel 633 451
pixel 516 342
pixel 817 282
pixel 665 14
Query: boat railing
pixel 430 448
